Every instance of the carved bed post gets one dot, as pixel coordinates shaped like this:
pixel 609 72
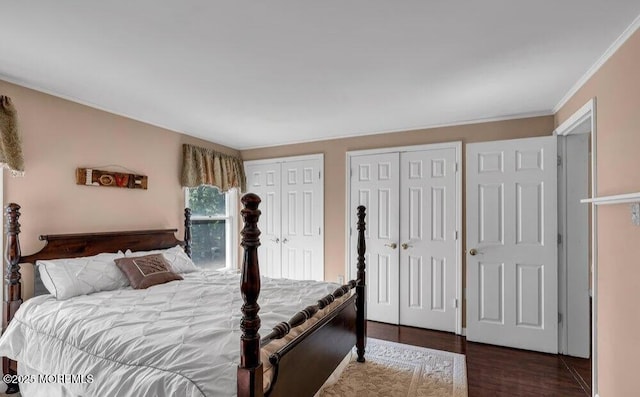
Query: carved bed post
pixel 12 284
pixel 187 231
pixel 250 382
pixel 361 302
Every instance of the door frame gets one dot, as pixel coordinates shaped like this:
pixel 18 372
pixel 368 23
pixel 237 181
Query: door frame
pixel 583 121
pixel 317 156
pixel 457 145
pixel 574 329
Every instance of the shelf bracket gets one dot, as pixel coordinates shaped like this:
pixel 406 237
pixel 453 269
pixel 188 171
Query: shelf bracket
pixel 635 213
pixel 629 198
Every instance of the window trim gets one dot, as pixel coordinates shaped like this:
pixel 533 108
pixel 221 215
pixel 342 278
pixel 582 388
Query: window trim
pixel 231 225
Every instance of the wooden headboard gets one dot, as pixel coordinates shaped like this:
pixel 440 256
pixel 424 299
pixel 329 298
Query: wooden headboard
pixel 61 246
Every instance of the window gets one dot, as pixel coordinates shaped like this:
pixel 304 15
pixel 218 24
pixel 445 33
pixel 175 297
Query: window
pixel 213 231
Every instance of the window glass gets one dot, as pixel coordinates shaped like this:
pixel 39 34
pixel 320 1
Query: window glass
pixel 208 239
pixel 210 222
pixel 207 201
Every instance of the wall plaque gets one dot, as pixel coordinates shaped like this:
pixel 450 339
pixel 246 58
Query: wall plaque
pixel 93 177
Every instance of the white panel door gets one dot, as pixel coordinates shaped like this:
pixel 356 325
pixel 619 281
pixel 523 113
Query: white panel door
pixel 512 279
pixel 428 239
pixel 263 179
pixel 302 220
pixel 374 184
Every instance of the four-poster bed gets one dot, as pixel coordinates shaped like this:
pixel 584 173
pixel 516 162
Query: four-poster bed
pixel 302 352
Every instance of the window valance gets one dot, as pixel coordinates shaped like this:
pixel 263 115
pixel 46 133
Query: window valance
pixel 10 142
pixel 202 166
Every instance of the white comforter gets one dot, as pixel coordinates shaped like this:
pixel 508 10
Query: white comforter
pixel 176 339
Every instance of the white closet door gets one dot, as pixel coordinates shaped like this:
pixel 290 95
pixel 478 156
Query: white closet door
pixel 428 239
pixel 374 184
pixel 263 179
pixel 302 220
pixel 512 273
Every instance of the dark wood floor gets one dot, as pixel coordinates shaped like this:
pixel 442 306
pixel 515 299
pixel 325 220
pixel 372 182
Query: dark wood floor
pixel 500 371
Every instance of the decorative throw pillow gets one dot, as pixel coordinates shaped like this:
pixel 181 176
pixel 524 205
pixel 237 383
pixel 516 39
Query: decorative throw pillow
pixel 145 271
pixel 66 278
pixel 178 260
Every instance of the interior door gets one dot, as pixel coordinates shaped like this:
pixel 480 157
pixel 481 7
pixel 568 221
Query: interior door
pixel 374 184
pixel 263 179
pixel 512 285
pixel 302 220
pixel 428 239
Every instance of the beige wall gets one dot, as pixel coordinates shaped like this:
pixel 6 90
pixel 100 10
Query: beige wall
pixel 335 157
pixel 616 87
pixel 59 136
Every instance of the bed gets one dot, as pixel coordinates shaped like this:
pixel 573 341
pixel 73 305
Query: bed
pixel 107 337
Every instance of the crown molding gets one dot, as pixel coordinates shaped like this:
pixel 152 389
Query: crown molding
pixel 629 31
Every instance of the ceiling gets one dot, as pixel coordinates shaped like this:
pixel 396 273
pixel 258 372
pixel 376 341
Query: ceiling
pixel 250 74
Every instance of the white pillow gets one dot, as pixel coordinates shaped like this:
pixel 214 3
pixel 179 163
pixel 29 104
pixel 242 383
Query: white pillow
pixel 177 258
pixel 66 278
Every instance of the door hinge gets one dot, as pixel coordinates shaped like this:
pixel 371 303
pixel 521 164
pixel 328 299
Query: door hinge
pixel 351 172
pixel 559 238
pixel 350 231
pixel 455 235
pixel 559 317
pixel 319 232
pixel 319 175
pixel 559 161
pixel 455 303
pixel 457 167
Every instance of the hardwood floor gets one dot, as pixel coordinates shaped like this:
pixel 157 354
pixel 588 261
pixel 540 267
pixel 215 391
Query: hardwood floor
pixel 500 371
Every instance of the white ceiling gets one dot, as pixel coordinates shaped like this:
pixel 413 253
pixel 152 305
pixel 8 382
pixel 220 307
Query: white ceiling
pixel 260 73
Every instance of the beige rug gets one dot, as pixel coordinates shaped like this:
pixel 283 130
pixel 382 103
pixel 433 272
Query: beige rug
pixel 397 370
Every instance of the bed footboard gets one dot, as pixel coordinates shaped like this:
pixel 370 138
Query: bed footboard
pixel 13 286
pixel 250 373
pixel 302 365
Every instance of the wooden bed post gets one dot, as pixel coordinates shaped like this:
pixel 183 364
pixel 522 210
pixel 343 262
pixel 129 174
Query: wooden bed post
pixel 361 302
pixel 12 283
pixel 187 231
pixel 250 382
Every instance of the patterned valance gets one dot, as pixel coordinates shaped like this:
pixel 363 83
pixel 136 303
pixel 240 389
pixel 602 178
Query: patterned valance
pixel 10 142
pixel 201 166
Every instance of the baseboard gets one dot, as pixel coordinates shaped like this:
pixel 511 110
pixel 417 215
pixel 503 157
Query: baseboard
pixel 464 331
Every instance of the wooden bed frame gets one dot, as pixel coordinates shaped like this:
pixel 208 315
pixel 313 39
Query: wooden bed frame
pixel 301 366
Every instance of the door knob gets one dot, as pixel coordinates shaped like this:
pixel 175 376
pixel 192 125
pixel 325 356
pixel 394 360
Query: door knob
pixel 275 240
pixel 392 245
pixel 284 241
pixel 473 252
pixel 406 246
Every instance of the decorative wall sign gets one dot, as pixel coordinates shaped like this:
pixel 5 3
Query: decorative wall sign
pixel 91 177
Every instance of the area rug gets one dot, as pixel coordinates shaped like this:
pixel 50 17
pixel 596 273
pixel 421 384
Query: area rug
pixel 397 370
